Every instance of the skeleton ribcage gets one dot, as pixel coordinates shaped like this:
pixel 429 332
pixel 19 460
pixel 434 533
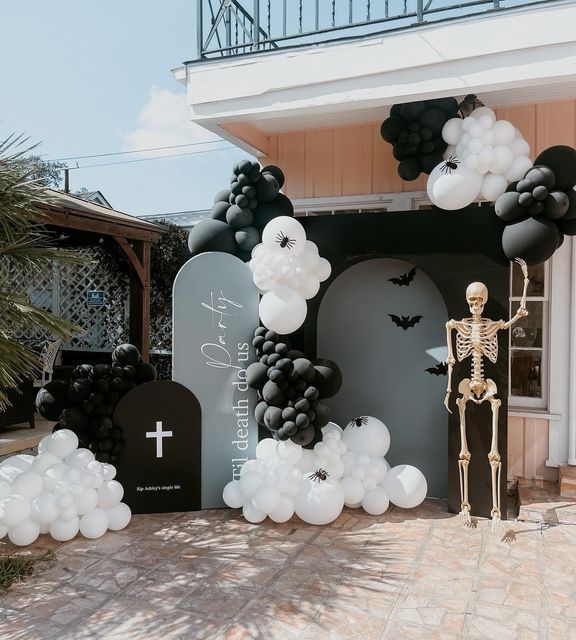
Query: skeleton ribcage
pixel 479 338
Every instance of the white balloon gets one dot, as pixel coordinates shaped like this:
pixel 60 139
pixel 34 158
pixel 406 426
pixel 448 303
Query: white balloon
pixel 486 156
pixel 289 451
pixel 452 131
pixel 354 505
pixel 64 530
pixel 21 461
pixel 44 528
pixel 44 509
pixel 481 112
pixel 266 449
pixel 319 501
pixel 476 130
pixel 306 462
pixel 86 501
pixel 266 499
pixel 493 186
pixel 331 427
pixel 118 516
pixel 252 514
pixel 44 461
pixel 520 167
pixel 5 489
pixel 28 484
pixel 353 490
pixel 405 486
pixel 24 534
pixel 375 502
pixel 108 471
pixel 501 160
pixel 487 138
pixel 62 443
pixel 110 494
pixel 43 445
pixel 284 511
pixel 309 287
pixel 79 458
pixel 250 482
pixel 450 188
pixel 282 310
pixel 94 524
pixel 520 147
pixel 232 495
pixel 13 510
pixel 468 123
pixel 471 161
pixel 369 483
pixel 285 234
pixel 475 146
pixel 371 438
pixel 3 531
pixel 323 269
pixel 503 131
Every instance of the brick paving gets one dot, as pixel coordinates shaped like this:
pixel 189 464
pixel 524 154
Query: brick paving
pixel 406 574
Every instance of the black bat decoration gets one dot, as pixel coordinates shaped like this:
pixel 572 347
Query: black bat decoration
pixel 405 321
pixel 441 369
pixel 404 280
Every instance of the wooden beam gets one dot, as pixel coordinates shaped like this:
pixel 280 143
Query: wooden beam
pixel 251 134
pixel 133 258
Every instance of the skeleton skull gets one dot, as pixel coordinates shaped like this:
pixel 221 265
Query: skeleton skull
pixel 476 296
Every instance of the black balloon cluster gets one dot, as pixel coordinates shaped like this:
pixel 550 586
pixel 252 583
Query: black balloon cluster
pixel 85 403
pixel 241 212
pixel 415 131
pixel 541 208
pixel 290 388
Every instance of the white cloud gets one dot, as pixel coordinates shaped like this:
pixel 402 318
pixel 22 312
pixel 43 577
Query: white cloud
pixel 164 122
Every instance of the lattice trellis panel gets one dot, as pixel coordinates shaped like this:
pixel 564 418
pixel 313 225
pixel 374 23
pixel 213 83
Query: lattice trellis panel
pixel 161 334
pixel 64 292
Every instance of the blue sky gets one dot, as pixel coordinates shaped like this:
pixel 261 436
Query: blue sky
pixel 93 76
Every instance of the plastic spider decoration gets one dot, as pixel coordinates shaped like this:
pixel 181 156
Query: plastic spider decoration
pixel 450 165
pixel 284 241
pixel 319 476
pixel 358 422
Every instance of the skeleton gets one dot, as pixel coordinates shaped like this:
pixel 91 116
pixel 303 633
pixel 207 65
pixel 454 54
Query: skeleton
pixel 476 337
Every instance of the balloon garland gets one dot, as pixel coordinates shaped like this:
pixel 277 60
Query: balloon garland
pixel 241 212
pixel 287 270
pixel 540 208
pixel 61 491
pixel 414 129
pixel 290 388
pixel 85 403
pixel 346 468
pixel 483 156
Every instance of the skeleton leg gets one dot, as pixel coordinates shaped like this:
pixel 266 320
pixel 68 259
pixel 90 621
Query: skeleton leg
pixel 465 455
pixel 494 457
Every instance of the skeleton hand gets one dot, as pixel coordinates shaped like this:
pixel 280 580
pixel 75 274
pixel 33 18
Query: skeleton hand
pixel 450 361
pixel 446 400
pixel 523 266
pixel 523 312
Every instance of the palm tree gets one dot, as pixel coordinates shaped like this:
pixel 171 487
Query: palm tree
pixel 24 245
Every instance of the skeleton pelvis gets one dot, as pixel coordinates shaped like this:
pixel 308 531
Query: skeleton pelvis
pixel 477 390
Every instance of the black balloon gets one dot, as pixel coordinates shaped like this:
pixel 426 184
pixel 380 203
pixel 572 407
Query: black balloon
pixel 328 377
pixel 211 235
pixel 218 211
pixel 409 169
pixel 237 217
pixel 433 119
pixel 430 160
pixel 533 239
pixel 256 375
pixel 276 172
pixel 222 196
pixel 51 399
pixel 562 161
pixel 412 111
pixel 144 373
pixel 267 188
pixel 556 205
pixel 247 238
pixel 266 211
pixel 391 128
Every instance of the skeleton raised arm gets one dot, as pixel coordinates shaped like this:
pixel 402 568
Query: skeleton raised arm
pixel 522 311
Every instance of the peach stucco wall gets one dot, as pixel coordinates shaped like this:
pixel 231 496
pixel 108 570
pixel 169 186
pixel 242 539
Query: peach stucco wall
pixel 355 160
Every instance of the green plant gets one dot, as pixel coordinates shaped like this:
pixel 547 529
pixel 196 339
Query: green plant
pixel 14 569
pixel 24 245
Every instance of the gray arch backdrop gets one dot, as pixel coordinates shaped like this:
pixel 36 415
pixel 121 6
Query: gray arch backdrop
pixel 384 366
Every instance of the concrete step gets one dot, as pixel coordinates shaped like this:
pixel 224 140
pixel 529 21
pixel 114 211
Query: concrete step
pixel 568 481
pixel 540 501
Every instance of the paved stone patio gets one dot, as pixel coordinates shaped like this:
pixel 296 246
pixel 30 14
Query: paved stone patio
pixel 407 574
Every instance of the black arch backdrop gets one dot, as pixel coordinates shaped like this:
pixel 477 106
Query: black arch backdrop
pixel 452 249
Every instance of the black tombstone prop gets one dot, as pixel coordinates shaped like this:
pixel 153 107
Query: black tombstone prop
pixel 160 468
pixel 454 249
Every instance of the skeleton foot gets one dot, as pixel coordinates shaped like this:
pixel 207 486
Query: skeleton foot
pixel 464 516
pixel 497 525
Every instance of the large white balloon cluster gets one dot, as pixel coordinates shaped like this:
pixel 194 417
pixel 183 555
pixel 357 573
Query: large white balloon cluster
pixel 345 468
pixel 61 491
pixel 483 156
pixel 288 271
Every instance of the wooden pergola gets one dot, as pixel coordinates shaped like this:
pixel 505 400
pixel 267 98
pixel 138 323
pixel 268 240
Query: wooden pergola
pixel 134 236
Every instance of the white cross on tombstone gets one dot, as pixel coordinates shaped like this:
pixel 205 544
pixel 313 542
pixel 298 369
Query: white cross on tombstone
pixel 159 434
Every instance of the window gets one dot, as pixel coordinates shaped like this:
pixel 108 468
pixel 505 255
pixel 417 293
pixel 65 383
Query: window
pixel 528 340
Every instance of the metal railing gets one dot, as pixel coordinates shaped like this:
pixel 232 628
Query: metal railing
pixel 238 27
